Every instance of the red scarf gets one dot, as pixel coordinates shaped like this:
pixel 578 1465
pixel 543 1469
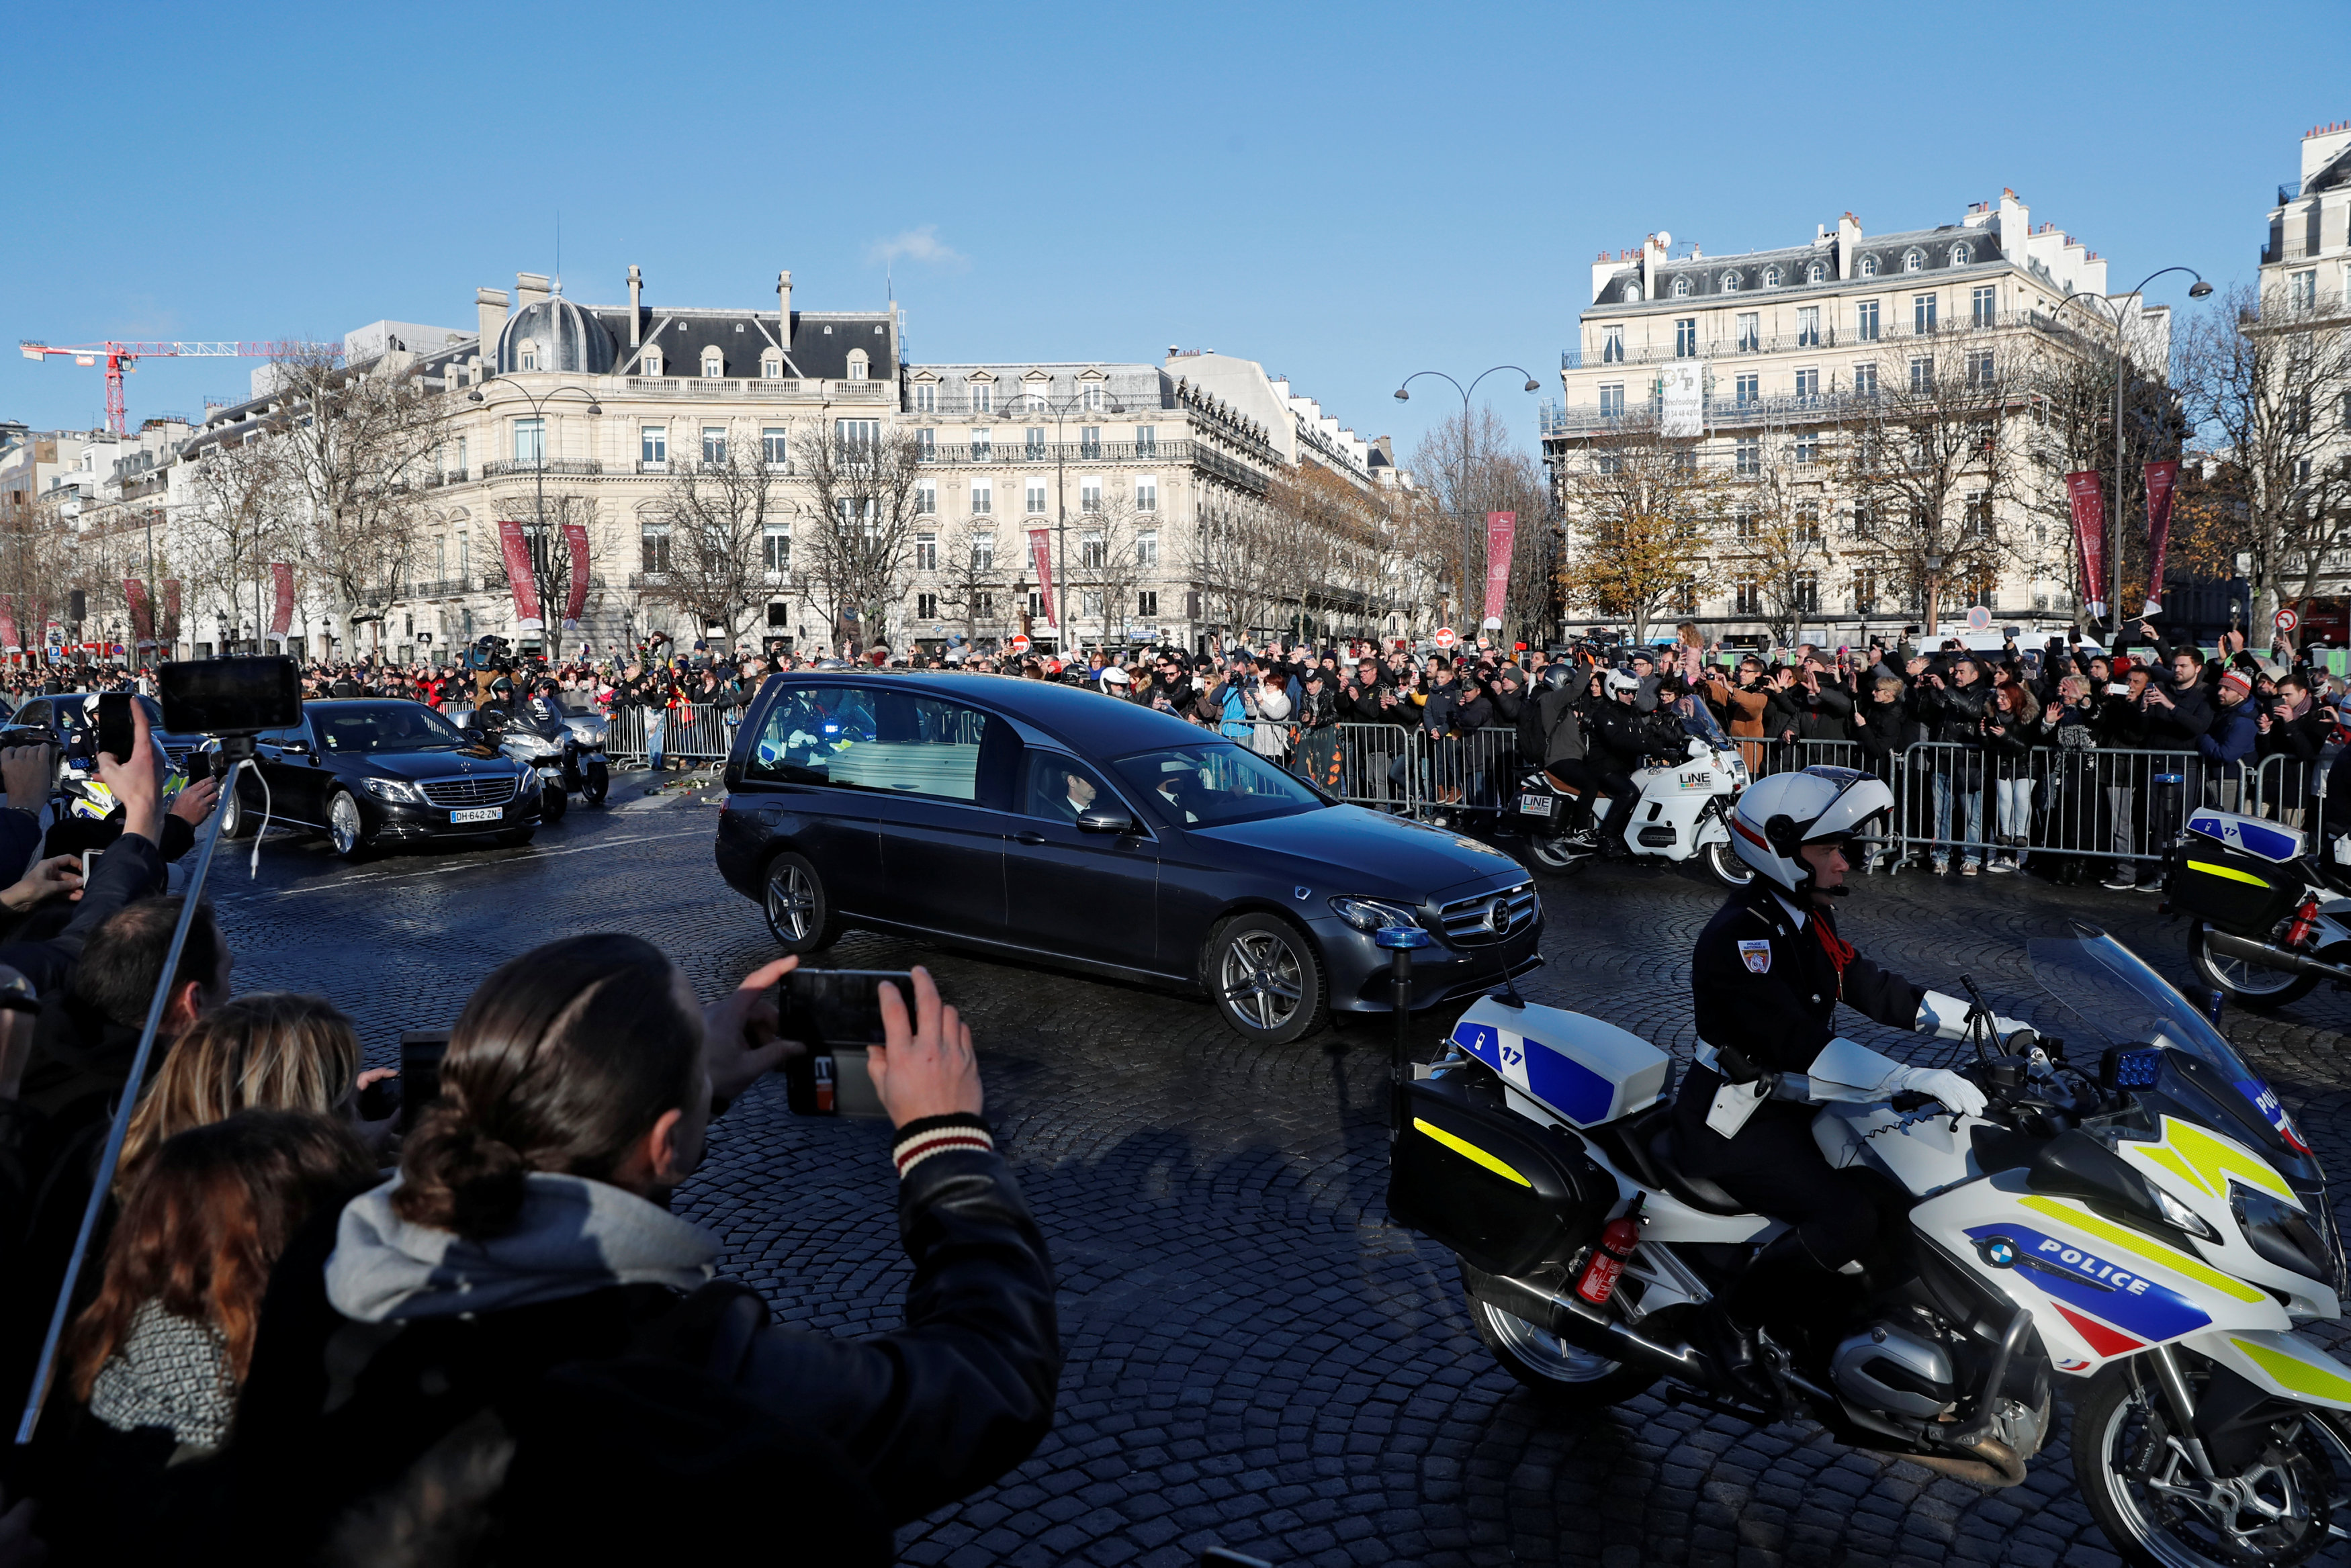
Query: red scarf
pixel 1840 951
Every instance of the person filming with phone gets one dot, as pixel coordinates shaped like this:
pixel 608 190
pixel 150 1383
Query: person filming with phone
pixel 526 1243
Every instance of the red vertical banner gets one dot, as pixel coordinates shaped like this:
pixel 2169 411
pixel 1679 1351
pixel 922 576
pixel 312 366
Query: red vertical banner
pixel 1041 556
pixel 9 641
pixel 1501 528
pixel 2162 479
pixel 281 614
pixel 516 550
pixel 171 638
pixel 575 544
pixel 2090 534
pixel 143 612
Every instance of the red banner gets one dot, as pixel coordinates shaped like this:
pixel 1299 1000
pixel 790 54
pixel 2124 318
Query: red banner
pixel 9 641
pixel 143 612
pixel 171 638
pixel 516 549
pixel 1500 528
pixel 281 614
pixel 1040 554
pixel 575 544
pixel 2090 535
pixel 2162 478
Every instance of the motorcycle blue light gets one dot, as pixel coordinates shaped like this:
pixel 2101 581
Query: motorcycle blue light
pixel 2138 1069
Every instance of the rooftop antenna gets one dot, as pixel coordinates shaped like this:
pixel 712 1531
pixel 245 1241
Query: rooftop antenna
pixel 559 250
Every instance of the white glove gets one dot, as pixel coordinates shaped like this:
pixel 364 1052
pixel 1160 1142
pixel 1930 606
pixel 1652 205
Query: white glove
pixel 1945 1018
pixel 1942 1084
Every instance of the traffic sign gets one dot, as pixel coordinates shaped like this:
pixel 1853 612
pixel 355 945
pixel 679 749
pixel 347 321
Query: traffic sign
pixel 1444 637
pixel 2287 620
pixel 1978 619
pixel 1019 643
pixel 1483 644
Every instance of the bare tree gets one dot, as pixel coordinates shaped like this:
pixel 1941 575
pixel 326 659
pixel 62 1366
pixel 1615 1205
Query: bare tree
pixel 1641 514
pixel 719 513
pixel 238 522
pixel 1109 564
pixel 1236 560
pixel 863 480
pixel 2267 383
pixel 971 587
pixel 551 559
pixel 355 448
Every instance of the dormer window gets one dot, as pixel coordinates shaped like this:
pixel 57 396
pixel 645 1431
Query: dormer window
pixel 650 363
pixel 714 363
pixel 530 360
pixel 1771 277
pixel 1962 255
pixel 1914 259
pixel 1868 268
pixel 771 365
pixel 1633 294
pixel 1090 398
pixel 1681 288
pixel 1818 273
pixel 983 397
pixel 857 364
pixel 1730 283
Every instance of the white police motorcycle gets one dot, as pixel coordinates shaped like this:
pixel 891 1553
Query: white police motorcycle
pixel 1684 812
pixel 2138 1217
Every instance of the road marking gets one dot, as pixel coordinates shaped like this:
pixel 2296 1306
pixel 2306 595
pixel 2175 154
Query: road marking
pixel 361 878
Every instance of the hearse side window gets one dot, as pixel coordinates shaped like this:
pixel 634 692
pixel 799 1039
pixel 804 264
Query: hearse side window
pixel 872 738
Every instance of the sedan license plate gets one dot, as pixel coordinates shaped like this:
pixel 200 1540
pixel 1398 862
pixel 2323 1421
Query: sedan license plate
pixel 476 813
pixel 1537 805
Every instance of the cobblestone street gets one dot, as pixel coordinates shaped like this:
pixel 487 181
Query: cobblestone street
pixel 1256 1358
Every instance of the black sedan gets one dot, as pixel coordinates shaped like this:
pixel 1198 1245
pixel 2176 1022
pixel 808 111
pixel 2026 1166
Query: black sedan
pixel 1048 822
pixel 372 771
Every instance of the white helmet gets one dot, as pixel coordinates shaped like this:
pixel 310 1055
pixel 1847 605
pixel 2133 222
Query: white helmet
pixel 1778 815
pixel 1622 683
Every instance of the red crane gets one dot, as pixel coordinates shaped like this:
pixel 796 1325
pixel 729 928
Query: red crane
pixel 120 360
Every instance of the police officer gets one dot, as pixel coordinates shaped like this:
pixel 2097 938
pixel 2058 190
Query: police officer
pixel 1616 743
pixel 1765 981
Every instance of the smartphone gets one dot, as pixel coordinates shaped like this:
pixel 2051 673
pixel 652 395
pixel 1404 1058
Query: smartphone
pixel 90 865
pixel 421 1051
pixel 2117 689
pixel 117 736
pixel 230 696
pixel 837 1006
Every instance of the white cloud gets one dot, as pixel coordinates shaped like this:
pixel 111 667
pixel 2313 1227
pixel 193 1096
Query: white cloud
pixel 916 246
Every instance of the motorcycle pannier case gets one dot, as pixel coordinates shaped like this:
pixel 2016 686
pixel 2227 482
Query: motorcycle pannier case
pixel 1506 1194
pixel 2238 872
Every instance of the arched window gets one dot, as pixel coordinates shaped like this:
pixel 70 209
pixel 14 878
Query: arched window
pixel 714 363
pixel 771 365
pixel 1913 259
pixel 1771 277
pixel 1633 292
pixel 857 364
pixel 649 362
pixel 1818 273
pixel 1730 283
pixel 1681 287
pixel 1869 267
pixel 1962 255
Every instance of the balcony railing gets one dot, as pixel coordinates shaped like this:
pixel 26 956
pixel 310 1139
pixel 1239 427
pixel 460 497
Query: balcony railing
pixel 648 579
pixel 779 388
pixel 1828 336
pixel 524 465
pixel 1065 452
pixel 1011 405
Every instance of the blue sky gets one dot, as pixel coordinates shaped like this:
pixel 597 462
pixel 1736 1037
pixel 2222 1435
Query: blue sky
pixel 1345 193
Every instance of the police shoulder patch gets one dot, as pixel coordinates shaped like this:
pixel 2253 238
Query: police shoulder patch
pixel 1756 956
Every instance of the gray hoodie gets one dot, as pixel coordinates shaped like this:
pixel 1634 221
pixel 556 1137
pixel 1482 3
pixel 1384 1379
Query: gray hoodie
pixel 574 1236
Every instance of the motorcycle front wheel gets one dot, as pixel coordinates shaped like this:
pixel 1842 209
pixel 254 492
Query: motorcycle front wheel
pixel 1723 864
pixel 1564 1375
pixel 1557 855
pixel 598 784
pixel 2246 983
pixel 2281 1505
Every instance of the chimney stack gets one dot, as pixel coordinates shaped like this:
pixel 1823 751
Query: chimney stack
pixel 784 311
pixel 636 306
pixel 530 288
pixel 490 311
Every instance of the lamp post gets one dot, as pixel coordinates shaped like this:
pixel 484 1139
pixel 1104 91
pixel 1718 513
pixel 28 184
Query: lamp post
pixel 2198 290
pixel 1404 394
pixel 1059 410
pixel 538 413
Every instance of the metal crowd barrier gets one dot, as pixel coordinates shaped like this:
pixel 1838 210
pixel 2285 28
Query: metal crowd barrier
pixel 700 733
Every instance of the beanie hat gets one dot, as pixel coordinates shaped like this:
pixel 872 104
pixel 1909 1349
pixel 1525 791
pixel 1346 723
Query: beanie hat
pixel 2238 678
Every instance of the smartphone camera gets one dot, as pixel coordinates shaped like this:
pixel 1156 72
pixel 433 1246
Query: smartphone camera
pixel 836 1013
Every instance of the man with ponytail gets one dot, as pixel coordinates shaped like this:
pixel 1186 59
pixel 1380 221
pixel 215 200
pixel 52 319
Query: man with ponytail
pixel 527 1235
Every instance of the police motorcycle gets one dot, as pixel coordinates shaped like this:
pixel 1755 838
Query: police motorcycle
pixel 2268 920
pixel 1683 811
pixel 2138 1217
pixel 533 731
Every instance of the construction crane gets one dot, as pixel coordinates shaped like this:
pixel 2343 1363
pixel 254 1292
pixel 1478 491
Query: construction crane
pixel 120 360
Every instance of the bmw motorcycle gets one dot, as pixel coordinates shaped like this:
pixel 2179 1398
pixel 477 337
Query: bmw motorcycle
pixel 2139 1218
pixel 2269 921
pixel 565 751
pixel 1684 812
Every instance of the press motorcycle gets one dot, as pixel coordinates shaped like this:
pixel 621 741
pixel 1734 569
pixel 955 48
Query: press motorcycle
pixel 2138 1216
pixel 2268 920
pixel 1684 812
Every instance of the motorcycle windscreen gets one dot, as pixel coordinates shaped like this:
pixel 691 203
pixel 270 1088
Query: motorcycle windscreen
pixel 1506 1195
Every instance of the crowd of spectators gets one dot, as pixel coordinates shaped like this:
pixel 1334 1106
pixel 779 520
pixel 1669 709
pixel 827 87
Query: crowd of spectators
pixel 314 1326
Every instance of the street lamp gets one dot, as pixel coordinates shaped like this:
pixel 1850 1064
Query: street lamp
pixel 538 413
pixel 1404 394
pixel 2199 289
pixel 1061 409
